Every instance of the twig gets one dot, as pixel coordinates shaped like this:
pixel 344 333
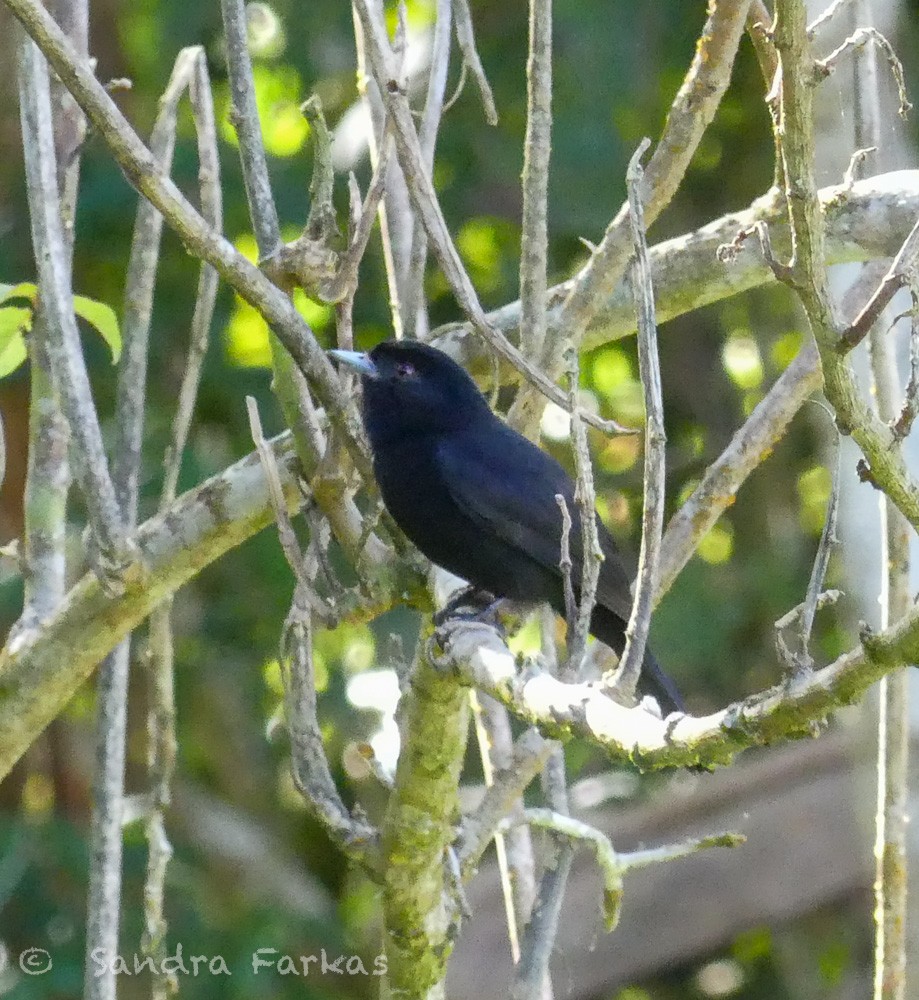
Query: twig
pixel 855 41
pixel 138 297
pixel 868 221
pixel 465 37
pixel 394 210
pixel 286 533
pixel 747 449
pixel 626 677
pixel 309 765
pixel 897 277
pixel 161 732
pixel 890 849
pixel 531 975
pixel 565 565
pixel 245 119
pixel 63 343
pixel 818 571
pixel 910 408
pixel 692 110
pixel 825 16
pixel 500 763
pixel 613 865
pixel 530 753
pixel 586 499
pixel 855 163
pixel 759 21
pixel 416 314
pixel 536 150
pixel 345 282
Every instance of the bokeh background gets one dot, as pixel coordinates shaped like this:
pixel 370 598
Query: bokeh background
pixel 251 868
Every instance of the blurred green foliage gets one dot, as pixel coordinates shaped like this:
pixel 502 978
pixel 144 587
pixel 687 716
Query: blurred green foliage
pixel 618 65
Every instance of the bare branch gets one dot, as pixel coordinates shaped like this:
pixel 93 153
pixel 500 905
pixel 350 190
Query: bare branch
pixel 309 765
pixel 690 114
pixel 897 277
pixel 747 449
pixel 868 221
pixel 561 710
pixel 536 150
pixel 65 352
pixel 245 119
pixel 416 314
pixel 465 37
pixel 652 525
pixel 860 38
pixel 530 753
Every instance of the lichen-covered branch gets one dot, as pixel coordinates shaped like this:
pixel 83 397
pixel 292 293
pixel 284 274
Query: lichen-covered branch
pixel 562 710
pixel 418 910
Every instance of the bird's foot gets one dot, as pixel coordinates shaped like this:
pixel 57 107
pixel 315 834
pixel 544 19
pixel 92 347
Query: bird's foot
pixel 469 604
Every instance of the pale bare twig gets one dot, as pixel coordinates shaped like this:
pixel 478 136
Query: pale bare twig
pixel 869 221
pixel 63 343
pixel 244 118
pixel 748 448
pixel 859 38
pixel 530 752
pixel 565 565
pixel 465 37
pixel 897 277
pixel 612 864
pixel 535 187
pixel 692 110
pixel 818 570
pixel 625 680
pixel 416 313
pixel 586 499
pixel 394 210
pixel 286 533
pixel 161 734
pixel 309 765
pixel 514 853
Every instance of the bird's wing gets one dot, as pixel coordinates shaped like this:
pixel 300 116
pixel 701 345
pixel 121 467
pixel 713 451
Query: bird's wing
pixel 508 486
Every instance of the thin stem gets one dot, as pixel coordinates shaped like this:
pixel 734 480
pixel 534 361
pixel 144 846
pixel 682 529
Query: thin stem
pixel 652 524
pixel 65 352
pixel 244 118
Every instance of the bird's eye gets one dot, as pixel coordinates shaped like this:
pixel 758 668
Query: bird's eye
pixel 405 369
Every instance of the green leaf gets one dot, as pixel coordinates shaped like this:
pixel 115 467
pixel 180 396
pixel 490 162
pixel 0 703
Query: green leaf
pixel 24 290
pixel 13 321
pixel 97 314
pixel 103 318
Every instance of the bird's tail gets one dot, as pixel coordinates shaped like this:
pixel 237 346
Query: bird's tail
pixel 609 628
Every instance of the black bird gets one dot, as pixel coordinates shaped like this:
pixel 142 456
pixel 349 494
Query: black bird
pixel 477 497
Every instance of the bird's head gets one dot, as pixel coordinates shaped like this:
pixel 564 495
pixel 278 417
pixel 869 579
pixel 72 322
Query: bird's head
pixel 411 388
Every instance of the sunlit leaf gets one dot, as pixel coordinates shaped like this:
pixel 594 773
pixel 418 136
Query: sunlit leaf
pixel 13 321
pixel 24 290
pixel 103 319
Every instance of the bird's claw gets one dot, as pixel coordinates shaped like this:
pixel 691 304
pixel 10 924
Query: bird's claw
pixel 469 604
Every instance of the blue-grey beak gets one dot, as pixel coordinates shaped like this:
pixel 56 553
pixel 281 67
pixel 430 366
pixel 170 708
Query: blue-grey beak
pixel 355 359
